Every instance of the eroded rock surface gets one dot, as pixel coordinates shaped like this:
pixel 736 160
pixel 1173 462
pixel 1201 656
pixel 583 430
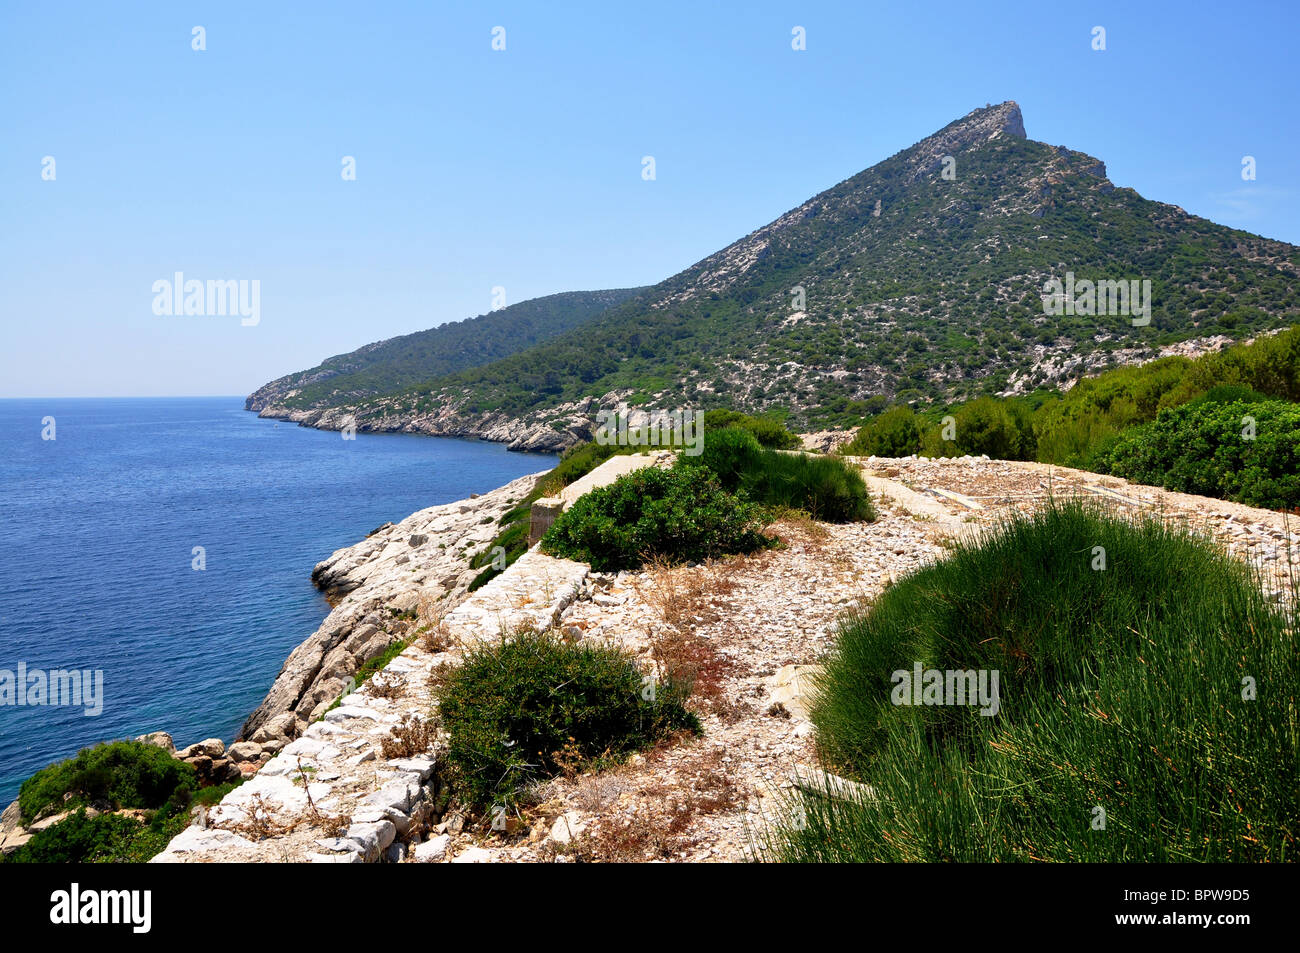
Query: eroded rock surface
pixel 379 585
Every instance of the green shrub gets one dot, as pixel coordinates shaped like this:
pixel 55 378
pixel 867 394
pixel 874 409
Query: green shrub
pixel 895 433
pixel 1204 447
pixel 730 453
pixel 681 514
pixel 768 431
pixel 105 838
pixel 512 541
pixel 1120 687
pixel 984 426
pixel 520 710
pixel 827 488
pixel 1229 394
pixel 120 773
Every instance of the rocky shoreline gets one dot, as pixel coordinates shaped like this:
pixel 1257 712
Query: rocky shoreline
pixel 718 790
pixel 377 588
pixel 574 421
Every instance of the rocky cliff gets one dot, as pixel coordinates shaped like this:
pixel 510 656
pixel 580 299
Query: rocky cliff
pixel 384 589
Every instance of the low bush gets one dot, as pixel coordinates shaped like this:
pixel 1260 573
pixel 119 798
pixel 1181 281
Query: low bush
pixel 894 433
pixel 103 838
pixel 680 515
pixel 119 774
pixel 523 709
pixel 110 777
pixel 1146 685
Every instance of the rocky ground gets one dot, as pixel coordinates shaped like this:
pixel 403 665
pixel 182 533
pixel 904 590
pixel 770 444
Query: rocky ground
pixel 754 627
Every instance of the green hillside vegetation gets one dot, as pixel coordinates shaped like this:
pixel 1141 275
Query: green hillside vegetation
pixel 408 361
pixel 937 297
pixel 1247 451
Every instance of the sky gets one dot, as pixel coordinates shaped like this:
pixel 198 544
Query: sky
pixel 522 168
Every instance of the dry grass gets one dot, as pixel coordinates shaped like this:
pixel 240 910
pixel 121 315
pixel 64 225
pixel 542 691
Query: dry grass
pixel 259 821
pixel 659 826
pixel 334 825
pixel 797 526
pixel 410 737
pixel 692 663
pixel 653 837
pixel 684 597
pixel 435 634
pixel 438 676
pixel 674 592
pixel 598 792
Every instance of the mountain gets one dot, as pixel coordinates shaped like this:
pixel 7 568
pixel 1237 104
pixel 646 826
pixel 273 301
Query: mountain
pixel 923 277
pixel 400 363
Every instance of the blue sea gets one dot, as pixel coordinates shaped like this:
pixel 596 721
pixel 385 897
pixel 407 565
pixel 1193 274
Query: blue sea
pixel 97 535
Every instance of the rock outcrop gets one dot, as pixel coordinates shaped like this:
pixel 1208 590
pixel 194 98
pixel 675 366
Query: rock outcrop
pixel 379 585
pixel 340 794
pixel 824 441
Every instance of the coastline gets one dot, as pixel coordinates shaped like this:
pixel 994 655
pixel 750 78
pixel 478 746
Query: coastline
pixel 519 435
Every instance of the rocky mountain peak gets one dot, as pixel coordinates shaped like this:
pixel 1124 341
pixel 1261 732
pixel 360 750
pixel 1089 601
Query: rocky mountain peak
pixel 973 129
pixel 989 123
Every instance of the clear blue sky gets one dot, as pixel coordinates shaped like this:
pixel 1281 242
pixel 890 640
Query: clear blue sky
pixel 522 168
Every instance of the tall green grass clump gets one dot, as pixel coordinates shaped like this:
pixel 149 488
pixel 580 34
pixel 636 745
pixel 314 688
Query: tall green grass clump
pixel 1147 706
pixel 826 487
pixel 768 431
pixel 730 454
pixel 525 708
